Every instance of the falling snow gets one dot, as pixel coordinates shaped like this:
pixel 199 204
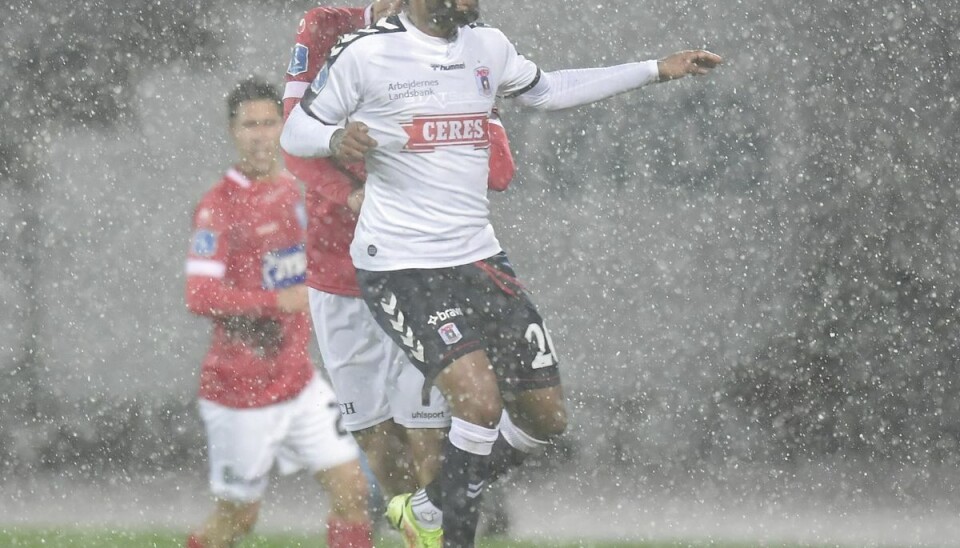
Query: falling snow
pixel 751 278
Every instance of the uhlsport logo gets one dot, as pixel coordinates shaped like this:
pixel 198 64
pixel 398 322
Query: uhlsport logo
pixel 427 133
pixel 427 415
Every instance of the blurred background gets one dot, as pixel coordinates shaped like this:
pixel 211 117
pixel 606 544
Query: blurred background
pixel 751 278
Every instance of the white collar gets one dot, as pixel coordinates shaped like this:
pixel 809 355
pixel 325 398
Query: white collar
pixel 411 28
pixel 239 178
pixel 368 16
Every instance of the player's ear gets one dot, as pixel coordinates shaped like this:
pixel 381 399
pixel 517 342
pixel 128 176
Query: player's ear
pixel 232 127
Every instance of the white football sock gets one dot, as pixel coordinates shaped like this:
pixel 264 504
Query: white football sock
pixel 425 512
pixel 517 438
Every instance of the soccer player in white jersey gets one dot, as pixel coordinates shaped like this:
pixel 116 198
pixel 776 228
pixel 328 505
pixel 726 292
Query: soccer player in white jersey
pixel 411 96
pixel 377 387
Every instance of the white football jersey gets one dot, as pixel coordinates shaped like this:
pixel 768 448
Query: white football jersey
pixel 427 103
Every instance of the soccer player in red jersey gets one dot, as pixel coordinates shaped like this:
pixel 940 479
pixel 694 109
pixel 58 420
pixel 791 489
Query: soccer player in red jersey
pixel 378 388
pixel 260 398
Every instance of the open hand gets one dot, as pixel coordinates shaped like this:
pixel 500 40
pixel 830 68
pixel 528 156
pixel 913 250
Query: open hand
pixel 293 299
pixel 697 62
pixel 355 200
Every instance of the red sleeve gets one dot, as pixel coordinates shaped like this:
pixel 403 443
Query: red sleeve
pixel 323 176
pixel 208 293
pixel 212 297
pixel 502 166
pixel 319 30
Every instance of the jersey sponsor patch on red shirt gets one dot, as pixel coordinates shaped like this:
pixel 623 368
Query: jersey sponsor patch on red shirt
pixel 204 243
pixel 284 268
pixel 427 133
pixel 299 61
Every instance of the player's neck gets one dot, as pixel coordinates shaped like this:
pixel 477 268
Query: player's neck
pixel 428 26
pixel 256 174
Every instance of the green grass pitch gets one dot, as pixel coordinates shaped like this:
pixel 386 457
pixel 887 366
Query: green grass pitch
pixel 52 538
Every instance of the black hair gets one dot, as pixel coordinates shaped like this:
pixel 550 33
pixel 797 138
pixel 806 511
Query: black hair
pixel 251 89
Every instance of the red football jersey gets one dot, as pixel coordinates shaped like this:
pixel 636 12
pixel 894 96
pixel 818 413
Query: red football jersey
pixel 331 222
pixel 328 185
pixel 248 244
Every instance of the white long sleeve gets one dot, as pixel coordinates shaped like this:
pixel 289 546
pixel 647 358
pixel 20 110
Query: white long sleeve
pixel 576 87
pixel 305 136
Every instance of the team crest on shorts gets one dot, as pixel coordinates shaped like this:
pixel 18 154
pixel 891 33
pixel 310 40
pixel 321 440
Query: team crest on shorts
pixel 482 75
pixel 449 333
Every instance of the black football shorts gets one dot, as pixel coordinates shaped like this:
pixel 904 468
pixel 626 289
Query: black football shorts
pixel 440 315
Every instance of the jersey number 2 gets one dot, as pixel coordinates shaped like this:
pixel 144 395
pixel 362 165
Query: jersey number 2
pixel 537 334
pixel 341 431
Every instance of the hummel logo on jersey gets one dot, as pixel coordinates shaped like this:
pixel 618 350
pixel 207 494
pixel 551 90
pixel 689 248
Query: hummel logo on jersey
pixel 427 133
pixel 474 489
pixel 398 323
pixel 442 68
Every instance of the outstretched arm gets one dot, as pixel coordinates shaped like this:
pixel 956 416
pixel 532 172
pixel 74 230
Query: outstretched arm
pixel 688 62
pixel 210 296
pixel 577 87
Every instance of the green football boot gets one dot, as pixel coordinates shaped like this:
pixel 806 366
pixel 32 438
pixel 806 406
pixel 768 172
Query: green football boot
pixel 400 517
